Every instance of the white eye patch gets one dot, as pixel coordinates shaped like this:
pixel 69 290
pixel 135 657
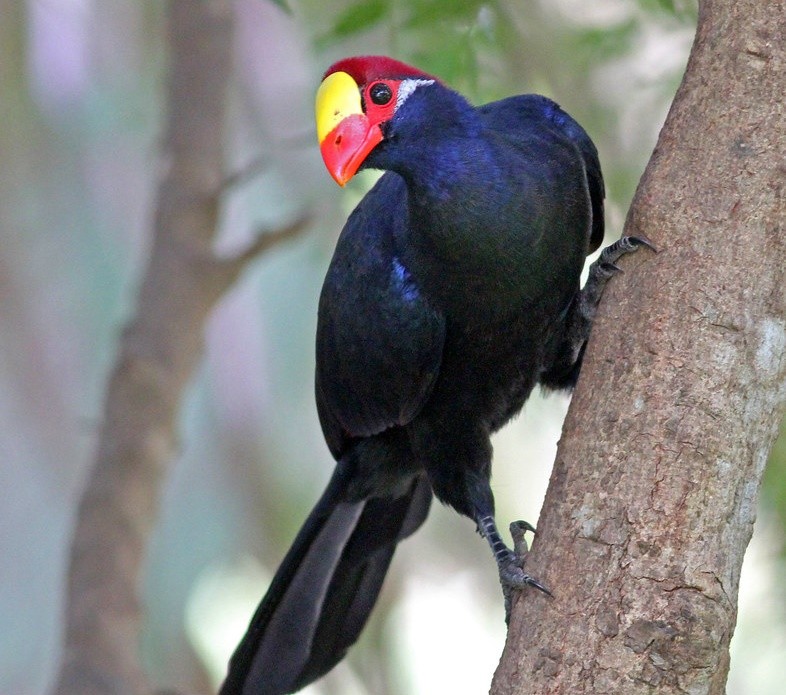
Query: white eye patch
pixel 407 87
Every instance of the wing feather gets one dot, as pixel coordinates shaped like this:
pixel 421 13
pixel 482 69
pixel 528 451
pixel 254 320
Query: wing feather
pixel 379 342
pixel 535 111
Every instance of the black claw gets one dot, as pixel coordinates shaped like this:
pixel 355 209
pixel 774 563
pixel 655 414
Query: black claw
pixel 536 584
pixel 519 581
pixel 521 526
pixel 605 267
pixel 619 248
pixel 511 576
pixel 641 241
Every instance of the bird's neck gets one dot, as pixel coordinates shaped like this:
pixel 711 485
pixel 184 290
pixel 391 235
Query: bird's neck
pixel 452 170
pixel 436 144
pixel 461 234
pixel 457 193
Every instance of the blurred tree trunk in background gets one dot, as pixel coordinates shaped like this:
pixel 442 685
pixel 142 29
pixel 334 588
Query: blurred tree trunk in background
pixel 653 496
pixel 158 352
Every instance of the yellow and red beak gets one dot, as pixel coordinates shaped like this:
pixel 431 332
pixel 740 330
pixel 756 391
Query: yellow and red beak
pixel 346 135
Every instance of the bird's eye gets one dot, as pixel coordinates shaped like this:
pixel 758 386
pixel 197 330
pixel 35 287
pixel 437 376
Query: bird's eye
pixel 380 93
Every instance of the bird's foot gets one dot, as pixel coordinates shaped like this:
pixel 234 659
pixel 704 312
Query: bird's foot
pixel 581 313
pixel 510 563
pixel 513 576
pixel 518 531
pixel 606 265
pixel 604 268
pixel 511 569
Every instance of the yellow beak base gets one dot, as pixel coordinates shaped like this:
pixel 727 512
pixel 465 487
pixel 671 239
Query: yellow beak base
pixel 337 97
pixel 345 134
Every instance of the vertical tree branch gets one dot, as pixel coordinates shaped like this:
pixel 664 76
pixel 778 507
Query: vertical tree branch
pixel 652 499
pixel 158 351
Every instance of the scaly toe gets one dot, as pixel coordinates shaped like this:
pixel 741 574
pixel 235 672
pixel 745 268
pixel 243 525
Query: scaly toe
pixel 512 576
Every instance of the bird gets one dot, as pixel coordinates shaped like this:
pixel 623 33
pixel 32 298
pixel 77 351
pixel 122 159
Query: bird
pixel 454 290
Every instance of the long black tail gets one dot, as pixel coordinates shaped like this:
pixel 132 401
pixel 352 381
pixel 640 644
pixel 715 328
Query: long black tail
pixel 325 588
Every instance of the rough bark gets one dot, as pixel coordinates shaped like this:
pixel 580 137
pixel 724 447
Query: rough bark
pixel 653 496
pixel 158 352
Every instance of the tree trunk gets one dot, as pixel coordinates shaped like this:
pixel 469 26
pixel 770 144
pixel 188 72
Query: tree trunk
pixel 653 496
pixel 159 349
pixel 158 352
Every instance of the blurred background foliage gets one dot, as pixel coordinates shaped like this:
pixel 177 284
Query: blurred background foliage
pixel 81 87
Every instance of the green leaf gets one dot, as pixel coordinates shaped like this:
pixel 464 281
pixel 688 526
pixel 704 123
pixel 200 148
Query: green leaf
pixel 431 12
pixel 608 42
pixel 357 18
pixel 283 5
pixel 774 485
pixel 684 10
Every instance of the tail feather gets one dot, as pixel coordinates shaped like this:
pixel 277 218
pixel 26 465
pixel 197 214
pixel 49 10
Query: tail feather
pixel 358 578
pixel 325 588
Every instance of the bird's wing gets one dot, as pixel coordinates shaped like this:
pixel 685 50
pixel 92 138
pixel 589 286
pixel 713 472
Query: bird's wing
pixel 379 342
pixel 532 110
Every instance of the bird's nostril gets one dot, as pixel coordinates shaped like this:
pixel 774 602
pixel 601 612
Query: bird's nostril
pixel 338 139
